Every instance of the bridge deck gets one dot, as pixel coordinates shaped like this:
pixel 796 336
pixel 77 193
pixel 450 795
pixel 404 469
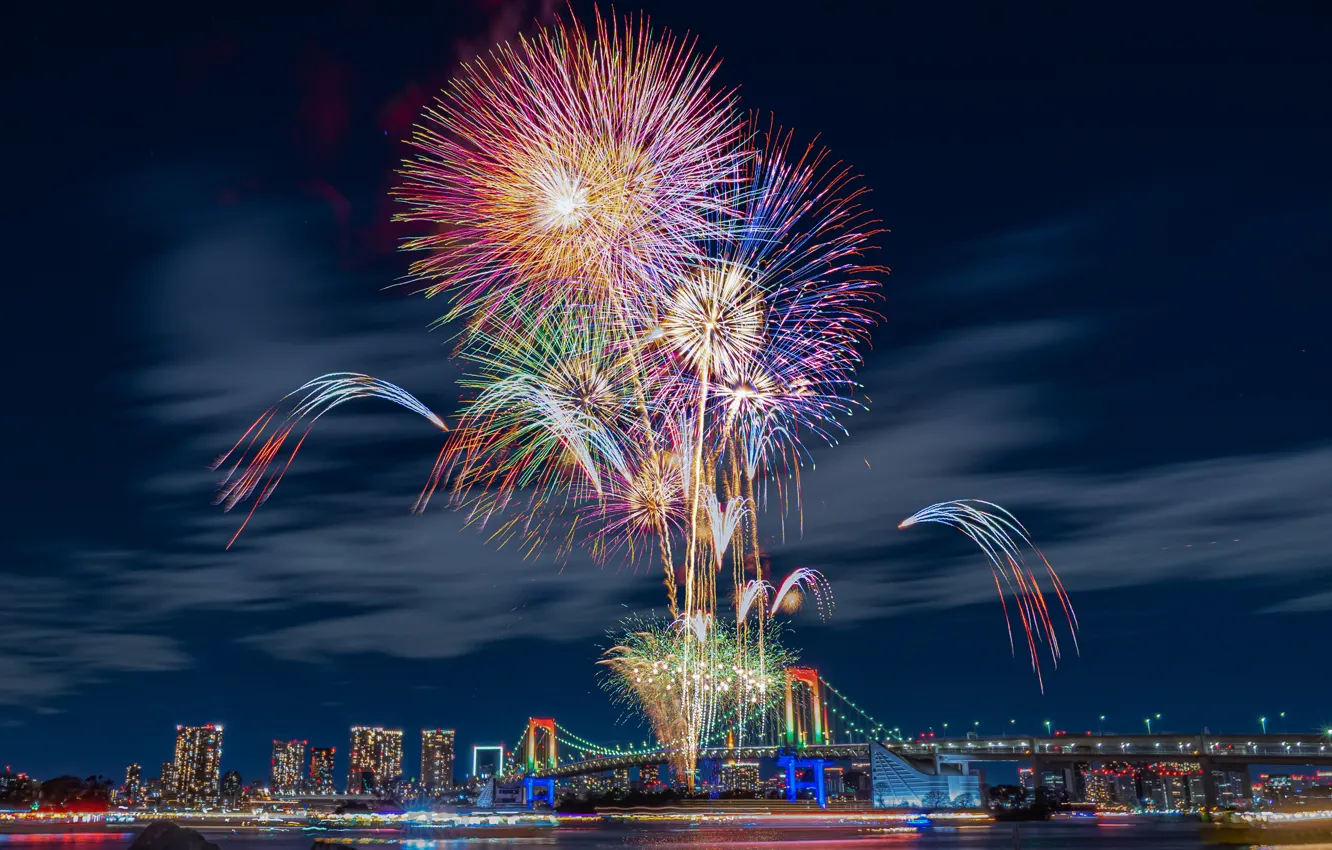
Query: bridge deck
pixel 1222 749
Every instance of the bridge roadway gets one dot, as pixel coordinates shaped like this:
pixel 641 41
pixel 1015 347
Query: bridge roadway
pixel 1218 750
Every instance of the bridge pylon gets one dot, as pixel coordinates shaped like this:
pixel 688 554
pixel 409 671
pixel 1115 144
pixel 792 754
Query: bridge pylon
pixel 807 677
pixel 795 765
pixel 541 755
pixel 536 759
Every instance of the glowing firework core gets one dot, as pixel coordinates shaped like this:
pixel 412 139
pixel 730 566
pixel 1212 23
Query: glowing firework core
pixel 563 201
pixel 716 321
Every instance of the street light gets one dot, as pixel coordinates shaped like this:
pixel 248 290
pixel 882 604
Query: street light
pixel 1148 721
pixel 1263 720
pixel 1047 727
pixel 1100 727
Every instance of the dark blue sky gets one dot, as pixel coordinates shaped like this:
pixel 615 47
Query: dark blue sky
pixel 1107 311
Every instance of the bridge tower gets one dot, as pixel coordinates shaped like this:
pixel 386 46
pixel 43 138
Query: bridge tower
pixel 799 735
pixel 807 677
pixel 540 757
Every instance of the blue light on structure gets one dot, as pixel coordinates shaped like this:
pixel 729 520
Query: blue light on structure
pixel 794 784
pixel 532 784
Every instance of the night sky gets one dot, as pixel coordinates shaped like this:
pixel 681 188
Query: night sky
pixel 1107 311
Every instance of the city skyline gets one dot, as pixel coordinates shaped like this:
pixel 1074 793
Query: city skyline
pixel 199 762
pixel 1104 312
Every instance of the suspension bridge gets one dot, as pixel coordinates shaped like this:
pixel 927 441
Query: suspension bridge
pixel 820 725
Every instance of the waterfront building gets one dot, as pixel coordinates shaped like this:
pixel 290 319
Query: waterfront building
pixel 1233 789
pixel 1098 785
pixel 230 789
pixel 649 776
pixel 194 772
pixel 376 758
pixel 834 781
pixel 1062 783
pixel 1124 790
pixel 897 784
pixel 168 781
pixel 1197 791
pixel 287 768
pixel 437 761
pixel 620 780
pixel 740 777
pixel 18 789
pixel 1027 779
pixel 321 770
pixel 1165 792
pixel 133 784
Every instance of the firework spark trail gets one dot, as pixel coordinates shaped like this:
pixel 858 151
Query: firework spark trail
pixel 1002 537
pixel 310 401
pixel 723 522
pixel 756 591
pixel 809 580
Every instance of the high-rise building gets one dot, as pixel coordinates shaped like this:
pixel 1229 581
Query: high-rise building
pixel 833 781
pixel 436 760
pixel 620 780
pixel 168 783
pixel 288 767
pixel 376 753
pixel 321 770
pixel 1027 779
pixel 1098 785
pixel 1232 788
pixel 741 777
pixel 133 784
pixel 650 777
pixel 1197 791
pixel 230 789
pixel 198 755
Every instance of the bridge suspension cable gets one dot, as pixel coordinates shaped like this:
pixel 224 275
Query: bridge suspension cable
pixel 581 744
pixel 867 726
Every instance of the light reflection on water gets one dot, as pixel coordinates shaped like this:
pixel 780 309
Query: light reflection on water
pixel 1147 835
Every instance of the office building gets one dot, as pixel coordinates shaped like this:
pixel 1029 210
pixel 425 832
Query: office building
pixel 436 761
pixel 1197 791
pixel 834 782
pixel 1062 783
pixel 194 772
pixel 230 789
pixel 168 781
pixel 1027 779
pixel 620 780
pixel 287 772
pixel 321 770
pixel 1098 787
pixel 376 758
pixel 133 784
pixel 739 777
pixel 650 777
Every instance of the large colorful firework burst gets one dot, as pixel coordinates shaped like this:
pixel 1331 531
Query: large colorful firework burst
pixel 657 299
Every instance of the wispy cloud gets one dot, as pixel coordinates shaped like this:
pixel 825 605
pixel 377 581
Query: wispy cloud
pixel 241 309
pixel 58 635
